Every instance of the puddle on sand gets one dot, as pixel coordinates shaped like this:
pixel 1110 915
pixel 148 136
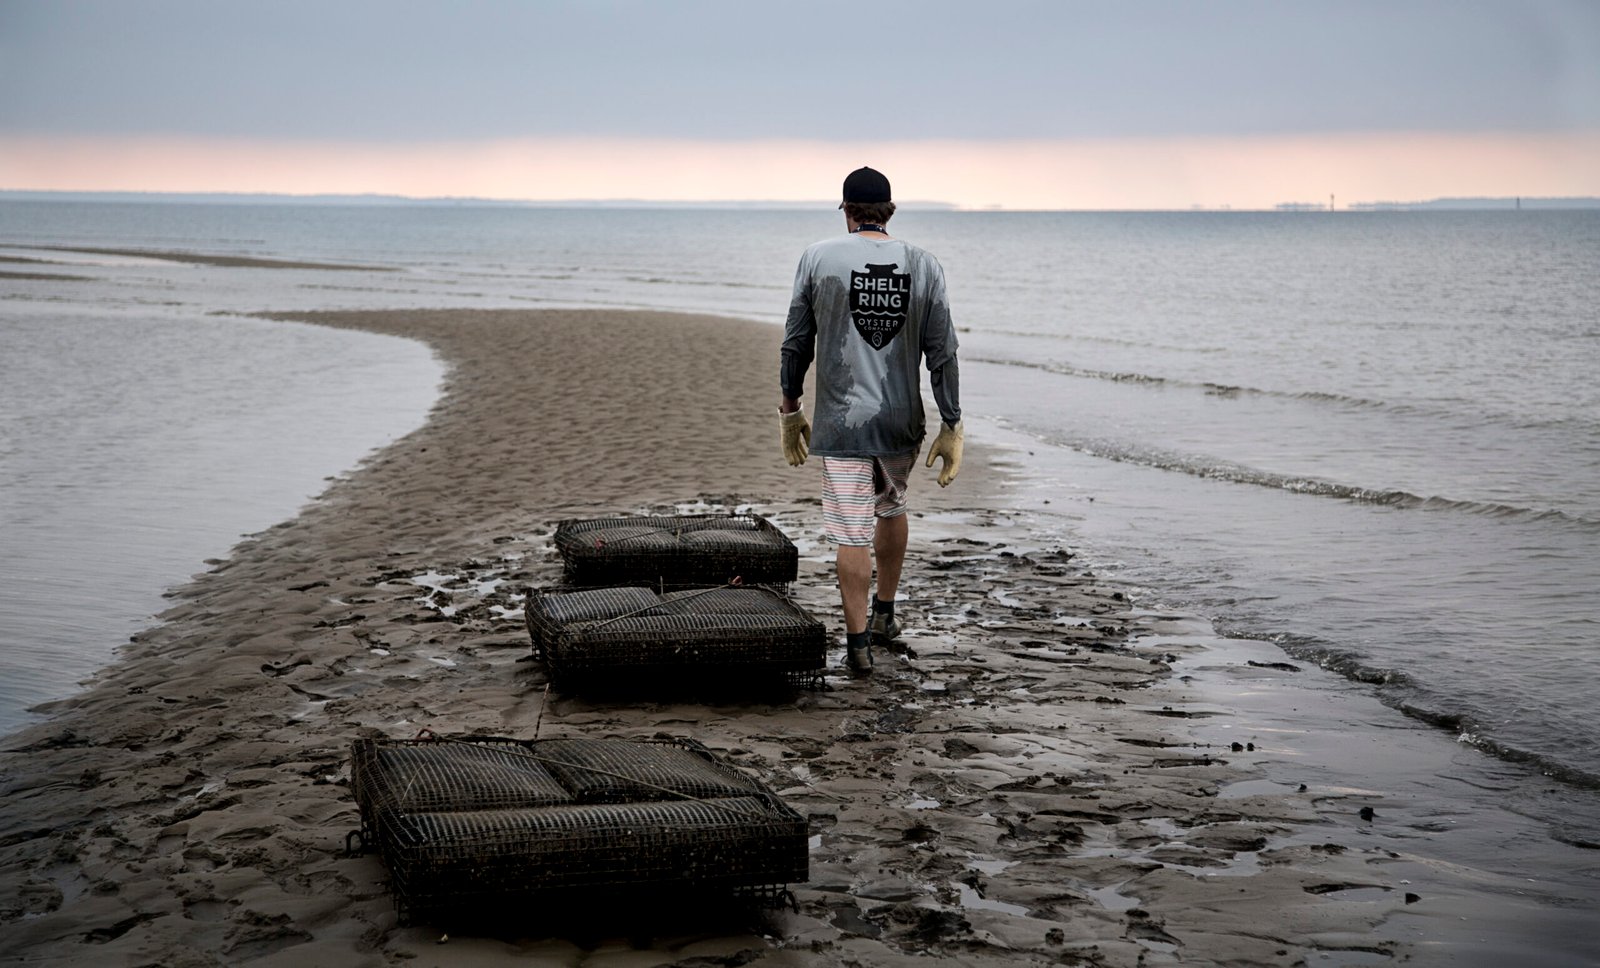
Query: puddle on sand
pixel 311 708
pixel 1163 827
pixel 1254 788
pixel 210 787
pixel 1357 892
pixel 999 596
pixel 989 866
pixel 974 901
pixel 436 584
pixel 1110 900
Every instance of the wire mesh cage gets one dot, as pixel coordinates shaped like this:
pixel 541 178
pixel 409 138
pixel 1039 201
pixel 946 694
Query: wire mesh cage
pixel 489 823
pixel 718 635
pixel 685 549
pixel 481 773
pixel 605 771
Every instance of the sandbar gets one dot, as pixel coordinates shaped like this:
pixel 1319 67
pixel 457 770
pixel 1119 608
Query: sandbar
pixel 1005 791
pixel 208 259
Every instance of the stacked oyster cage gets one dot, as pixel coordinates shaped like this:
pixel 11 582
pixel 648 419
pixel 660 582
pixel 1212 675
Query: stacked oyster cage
pixel 480 824
pixel 676 550
pixel 686 599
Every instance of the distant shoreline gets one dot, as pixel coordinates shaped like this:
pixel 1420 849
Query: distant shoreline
pixel 1512 203
pixel 272 198
pixel 1506 203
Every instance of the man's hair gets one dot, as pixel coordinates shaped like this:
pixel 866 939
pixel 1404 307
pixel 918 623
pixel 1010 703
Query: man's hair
pixel 869 213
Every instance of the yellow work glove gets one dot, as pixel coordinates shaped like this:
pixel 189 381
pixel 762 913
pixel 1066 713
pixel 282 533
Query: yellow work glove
pixel 796 436
pixel 948 446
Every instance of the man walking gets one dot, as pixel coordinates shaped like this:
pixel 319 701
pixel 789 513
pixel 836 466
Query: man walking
pixel 878 309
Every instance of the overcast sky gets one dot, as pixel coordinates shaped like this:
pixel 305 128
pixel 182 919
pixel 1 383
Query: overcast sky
pixel 356 75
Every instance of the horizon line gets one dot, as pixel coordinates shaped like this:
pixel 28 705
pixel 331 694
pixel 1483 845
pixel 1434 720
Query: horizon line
pixel 376 199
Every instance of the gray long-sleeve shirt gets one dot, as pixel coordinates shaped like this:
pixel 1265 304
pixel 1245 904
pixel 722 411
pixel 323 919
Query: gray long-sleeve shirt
pixel 870 311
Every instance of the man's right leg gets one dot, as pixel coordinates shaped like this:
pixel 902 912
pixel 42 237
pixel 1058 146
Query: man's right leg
pixel 889 551
pixel 889 548
pixel 889 542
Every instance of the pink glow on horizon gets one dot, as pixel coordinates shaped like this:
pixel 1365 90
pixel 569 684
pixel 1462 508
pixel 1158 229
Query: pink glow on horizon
pixel 1164 173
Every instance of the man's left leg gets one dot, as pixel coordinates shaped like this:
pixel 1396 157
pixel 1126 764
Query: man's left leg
pixel 889 545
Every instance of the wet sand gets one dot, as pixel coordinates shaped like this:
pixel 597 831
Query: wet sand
pixel 205 259
pixel 1006 791
pixel 41 276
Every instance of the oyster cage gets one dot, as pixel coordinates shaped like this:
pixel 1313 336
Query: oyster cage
pixel 686 549
pixel 717 637
pixel 486 824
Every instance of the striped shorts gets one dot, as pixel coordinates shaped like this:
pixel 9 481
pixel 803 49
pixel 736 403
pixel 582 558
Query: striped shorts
pixel 856 490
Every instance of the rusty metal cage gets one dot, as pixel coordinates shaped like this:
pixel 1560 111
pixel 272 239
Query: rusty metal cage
pixel 676 550
pixel 719 635
pixel 477 823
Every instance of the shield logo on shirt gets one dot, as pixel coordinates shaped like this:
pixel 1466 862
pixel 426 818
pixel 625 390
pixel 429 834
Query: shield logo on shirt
pixel 880 299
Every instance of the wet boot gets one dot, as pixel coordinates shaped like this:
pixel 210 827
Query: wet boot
pixel 882 627
pixel 858 653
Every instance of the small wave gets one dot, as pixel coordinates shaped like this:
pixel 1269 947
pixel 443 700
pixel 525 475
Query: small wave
pixel 1105 340
pixel 1233 391
pixel 1239 474
pixel 1212 389
pixel 1351 665
pixel 705 283
pixel 1401 692
pixel 1065 370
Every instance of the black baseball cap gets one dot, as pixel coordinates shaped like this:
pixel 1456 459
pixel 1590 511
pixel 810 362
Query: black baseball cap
pixel 865 185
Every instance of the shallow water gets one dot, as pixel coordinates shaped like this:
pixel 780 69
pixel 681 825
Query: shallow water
pixel 134 445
